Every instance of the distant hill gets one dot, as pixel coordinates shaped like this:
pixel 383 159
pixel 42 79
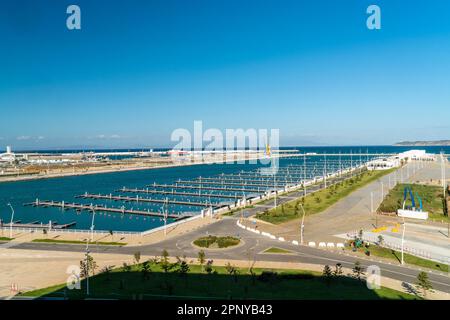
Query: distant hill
pixel 423 143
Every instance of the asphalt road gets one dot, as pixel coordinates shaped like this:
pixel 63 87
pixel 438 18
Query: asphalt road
pixel 251 249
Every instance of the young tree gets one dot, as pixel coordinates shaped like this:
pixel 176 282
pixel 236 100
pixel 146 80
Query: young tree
pixel 338 270
pixel 380 240
pixel 201 258
pixel 358 270
pixel 126 267
pixel 423 283
pixel 327 273
pixel 146 270
pixel 87 266
pixel 183 269
pixel 208 267
pixel 232 271
pixel 165 265
pixel 137 256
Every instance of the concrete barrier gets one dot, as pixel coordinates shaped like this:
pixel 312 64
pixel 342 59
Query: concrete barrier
pixel 281 239
pixel 340 245
pixel 311 244
pixel 330 245
pixel 295 242
pixel 322 244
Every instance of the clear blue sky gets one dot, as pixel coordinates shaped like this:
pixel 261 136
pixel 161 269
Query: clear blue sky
pixel 139 69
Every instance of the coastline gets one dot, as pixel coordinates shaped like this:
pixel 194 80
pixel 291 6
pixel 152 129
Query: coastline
pixel 122 169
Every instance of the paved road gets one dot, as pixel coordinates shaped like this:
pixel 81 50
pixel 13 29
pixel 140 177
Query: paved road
pixel 251 250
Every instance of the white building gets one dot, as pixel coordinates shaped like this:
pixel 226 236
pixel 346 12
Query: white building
pixel 8 156
pixel 420 155
pixel 383 163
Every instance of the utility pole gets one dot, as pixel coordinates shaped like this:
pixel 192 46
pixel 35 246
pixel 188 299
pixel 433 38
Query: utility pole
pixel 275 188
pixel 302 227
pixel 165 213
pixel 304 174
pixel 87 252
pixel 12 219
pixel 403 240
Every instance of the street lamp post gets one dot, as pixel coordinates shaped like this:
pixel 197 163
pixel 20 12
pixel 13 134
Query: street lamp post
pixel 302 227
pixel 87 252
pixel 92 225
pixel 12 219
pixel 403 240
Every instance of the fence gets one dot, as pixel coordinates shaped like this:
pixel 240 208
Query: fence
pixel 412 251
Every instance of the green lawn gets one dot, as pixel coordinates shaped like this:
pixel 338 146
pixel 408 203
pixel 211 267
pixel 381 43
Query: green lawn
pixel 432 199
pixel 216 242
pixel 409 259
pixel 79 242
pixel 277 250
pixel 263 284
pixel 232 212
pixel 320 200
pixel 5 239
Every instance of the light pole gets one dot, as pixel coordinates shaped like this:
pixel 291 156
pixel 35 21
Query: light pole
pixel 304 174
pixel 87 252
pixel 92 225
pixel 302 227
pixel 12 218
pixel 403 239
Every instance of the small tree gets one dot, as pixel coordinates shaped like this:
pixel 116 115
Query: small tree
pixel 232 271
pixel 165 265
pixel 137 256
pixel 201 258
pixel 338 270
pixel 87 266
pixel 126 267
pixel 423 283
pixel 146 270
pixel 184 270
pixel 358 270
pixel 208 267
pixel 327 273
pixel 380 240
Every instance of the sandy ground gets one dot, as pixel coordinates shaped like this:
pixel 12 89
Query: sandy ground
pixel 128 239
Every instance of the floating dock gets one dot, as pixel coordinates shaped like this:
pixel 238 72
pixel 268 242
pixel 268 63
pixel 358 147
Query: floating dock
pixel 148 200
pixel 177 186
pixel 177 193
pixel 80 207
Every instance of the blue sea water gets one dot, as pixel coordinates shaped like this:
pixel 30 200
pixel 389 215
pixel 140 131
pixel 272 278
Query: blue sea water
pixel 66 188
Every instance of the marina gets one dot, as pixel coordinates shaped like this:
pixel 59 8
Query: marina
pixel 146 198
